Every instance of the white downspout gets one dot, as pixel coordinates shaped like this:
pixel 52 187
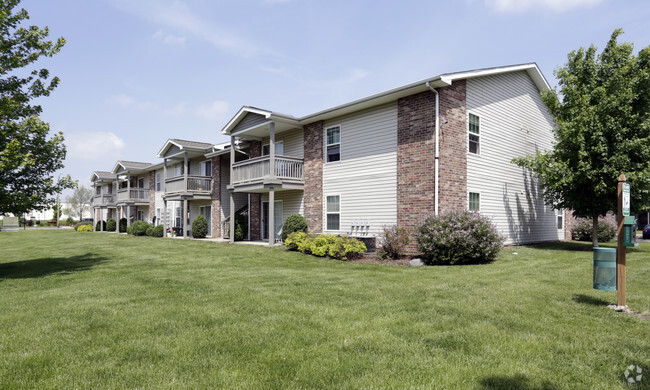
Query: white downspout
pixel 437 152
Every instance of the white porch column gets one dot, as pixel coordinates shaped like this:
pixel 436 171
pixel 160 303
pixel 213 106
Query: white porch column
pixel 272 150
pixel 128 196
pixel 186 170
pixel 101 215
pixel 271 218
pixel 164 188
pixel 186 217
pixel 232 194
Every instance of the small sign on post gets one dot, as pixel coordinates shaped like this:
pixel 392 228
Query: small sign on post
pixel 626 200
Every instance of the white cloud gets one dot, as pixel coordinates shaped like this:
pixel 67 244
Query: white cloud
pixel 350 77
pixel 177 110
pixel 513 6
pixel 215 110
pixel 169 39
pixel 129 101
pixel 93 145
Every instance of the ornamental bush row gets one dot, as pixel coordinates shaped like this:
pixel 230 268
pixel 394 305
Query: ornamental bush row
pixel 336 247
pixel 581 231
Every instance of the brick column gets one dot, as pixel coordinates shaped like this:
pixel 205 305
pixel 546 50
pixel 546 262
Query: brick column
pixel 453 147
pixel 313 190
pixel 215 195
pixel 255 206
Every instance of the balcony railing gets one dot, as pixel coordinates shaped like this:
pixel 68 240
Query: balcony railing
pixel 199 184
pixel 259 168
pixel 134 194
pixel 106 199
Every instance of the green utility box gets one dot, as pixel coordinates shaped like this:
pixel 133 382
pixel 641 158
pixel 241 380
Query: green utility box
pixel 605 269
pixel 629 231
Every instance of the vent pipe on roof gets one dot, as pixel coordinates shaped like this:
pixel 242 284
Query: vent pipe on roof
pixel 437 152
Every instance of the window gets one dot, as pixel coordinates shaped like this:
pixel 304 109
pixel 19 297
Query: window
pixel 158 222
pixel 474 134
pixel 140 215
pixel 474 201
pixel 206 168
pixel 140 183
pixel 178 170
pixel 333 212
pixel 279 149
pixel 158 184
pixel 179 220
pixel 334 144
pixel 560 218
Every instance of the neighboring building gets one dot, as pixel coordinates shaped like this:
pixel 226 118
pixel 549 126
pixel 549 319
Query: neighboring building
pixel 444 143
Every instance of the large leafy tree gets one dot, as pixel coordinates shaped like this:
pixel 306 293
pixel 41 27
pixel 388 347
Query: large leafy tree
pixel 602 114
pixel 79 201
pixel 28 156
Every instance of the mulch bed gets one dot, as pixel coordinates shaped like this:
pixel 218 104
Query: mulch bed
pixel 371 258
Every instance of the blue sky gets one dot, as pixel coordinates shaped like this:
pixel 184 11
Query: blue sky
pixel 137 72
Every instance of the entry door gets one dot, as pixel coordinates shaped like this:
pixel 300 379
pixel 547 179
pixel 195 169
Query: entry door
pixel 277 220
pixel 206 211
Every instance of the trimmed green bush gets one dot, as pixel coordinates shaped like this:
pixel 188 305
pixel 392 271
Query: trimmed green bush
pixel 458 237
pixel 110 225
pixel 100 225
pixel 149 231
pixel 78 224
pixel 123 225
pixel 85 228
pixel 200 227
pixel 336 247
pixel 581 231
pixel 241 227
pixel 294 223
pixel 70 221
pixel 158 231
pixel 394 241
pixel 138 228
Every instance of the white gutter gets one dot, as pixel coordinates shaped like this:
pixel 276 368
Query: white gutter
pixel 437 153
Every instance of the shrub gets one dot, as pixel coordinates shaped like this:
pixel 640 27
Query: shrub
pixel 100 225
pixel 337 247
pixel 241 227
pixel 581 231
pixel 138 228
pixel 394 240
pixel 123 225
pixel 70 221
pixel 78 224
pixel 88 227
pixel 457 237
pixel 110 225
pixel 294 223
pixel 149 231
pixel 200 227
pixel 158 231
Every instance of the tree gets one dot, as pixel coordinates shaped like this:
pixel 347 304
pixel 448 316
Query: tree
pixel 27 157
pixel 602 115
pixel 79 201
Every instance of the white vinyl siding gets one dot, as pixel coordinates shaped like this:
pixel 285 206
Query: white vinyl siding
pixel 241 198
pixel 513 122
pixel 366 176
pixel 292 202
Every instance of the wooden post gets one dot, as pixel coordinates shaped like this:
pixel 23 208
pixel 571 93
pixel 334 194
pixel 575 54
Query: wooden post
pixel 620 254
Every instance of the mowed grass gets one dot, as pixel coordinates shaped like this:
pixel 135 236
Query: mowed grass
pixel 99 310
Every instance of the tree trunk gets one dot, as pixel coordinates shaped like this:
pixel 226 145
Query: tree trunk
pixel 594 231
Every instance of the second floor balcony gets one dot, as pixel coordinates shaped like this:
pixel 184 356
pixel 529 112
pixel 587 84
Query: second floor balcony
pixel 104 200
pixel 136 195
pixel 256 172
pixel 194 185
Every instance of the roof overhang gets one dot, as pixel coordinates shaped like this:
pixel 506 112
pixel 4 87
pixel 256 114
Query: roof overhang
pixel 282 123
pixel 192 152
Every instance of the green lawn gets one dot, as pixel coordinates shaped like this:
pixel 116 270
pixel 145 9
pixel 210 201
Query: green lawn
pixel 99 310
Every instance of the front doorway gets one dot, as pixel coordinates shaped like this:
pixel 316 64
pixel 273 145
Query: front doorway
pixel 206 211
pixel 277 219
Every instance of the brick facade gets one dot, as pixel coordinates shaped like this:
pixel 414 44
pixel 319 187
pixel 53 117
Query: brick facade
pixel 416 123
pixel 255 206
pixel 313 189
pixel 152 195
pixel 215 195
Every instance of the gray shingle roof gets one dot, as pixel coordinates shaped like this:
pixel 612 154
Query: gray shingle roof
pixel 191 144
pixel 134 164
pixel 104 175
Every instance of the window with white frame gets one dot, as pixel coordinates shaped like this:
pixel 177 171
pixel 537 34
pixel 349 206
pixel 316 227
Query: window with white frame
pixel 333 144
pixel 158 222
pixel 333 212
pixel 560 218
pixel 474 134
pixel 178 170
pixel 279 149
pixel 179 220
pixel 474 202
pixel 158 183
pixel 206 168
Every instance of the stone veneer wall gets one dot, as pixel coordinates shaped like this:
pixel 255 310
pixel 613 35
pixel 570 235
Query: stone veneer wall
pixel 313 190
pixel 416 154
pixel 215 195
pixel 255 206
pixel 152 195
